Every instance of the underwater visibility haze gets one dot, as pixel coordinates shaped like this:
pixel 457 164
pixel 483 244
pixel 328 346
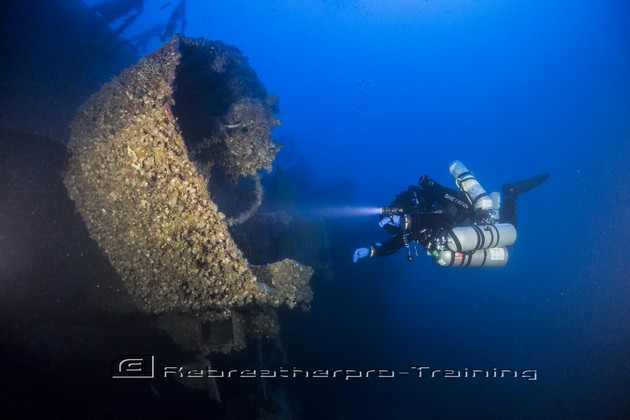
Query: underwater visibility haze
pixel 183 185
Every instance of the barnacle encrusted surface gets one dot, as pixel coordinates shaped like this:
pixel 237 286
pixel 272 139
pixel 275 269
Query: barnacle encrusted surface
pixel 264 324
pixel 138 175
pixel 287 283
pixel 223 109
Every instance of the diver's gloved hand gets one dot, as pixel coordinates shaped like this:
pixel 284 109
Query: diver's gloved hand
pixel 360 253
pixel 394 220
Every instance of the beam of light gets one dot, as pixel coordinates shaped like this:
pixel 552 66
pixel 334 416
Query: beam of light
pixel 340 211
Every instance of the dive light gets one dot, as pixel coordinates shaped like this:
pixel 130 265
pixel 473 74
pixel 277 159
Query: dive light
pixel 391 211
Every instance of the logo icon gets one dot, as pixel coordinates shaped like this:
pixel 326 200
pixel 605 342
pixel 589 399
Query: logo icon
pixel 137 366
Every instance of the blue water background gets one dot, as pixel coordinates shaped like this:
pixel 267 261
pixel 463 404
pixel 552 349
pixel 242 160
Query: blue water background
pixel 374 94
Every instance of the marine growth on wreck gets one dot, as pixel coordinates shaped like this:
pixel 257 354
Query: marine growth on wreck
pixel 145 151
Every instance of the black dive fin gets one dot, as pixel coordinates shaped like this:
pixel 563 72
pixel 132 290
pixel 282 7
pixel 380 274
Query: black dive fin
pixel 515 188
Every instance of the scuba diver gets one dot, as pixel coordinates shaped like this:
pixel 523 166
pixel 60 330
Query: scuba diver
pixel 465 228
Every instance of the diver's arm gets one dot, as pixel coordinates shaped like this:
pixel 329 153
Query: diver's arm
pixel 380 250
pixel 388 248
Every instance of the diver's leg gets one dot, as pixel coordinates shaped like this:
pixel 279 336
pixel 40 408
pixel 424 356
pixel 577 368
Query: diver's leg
pixel 508 207
pixel 511 192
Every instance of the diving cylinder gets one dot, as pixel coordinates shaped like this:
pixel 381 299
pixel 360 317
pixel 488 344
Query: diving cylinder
pixel 471 238
pixel 467 182
pixel 496 205
pixel 491 257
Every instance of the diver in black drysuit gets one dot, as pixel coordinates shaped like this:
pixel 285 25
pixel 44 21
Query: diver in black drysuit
pixel 425 210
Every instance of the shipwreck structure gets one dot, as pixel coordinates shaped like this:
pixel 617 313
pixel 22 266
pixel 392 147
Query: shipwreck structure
pixel 144 154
